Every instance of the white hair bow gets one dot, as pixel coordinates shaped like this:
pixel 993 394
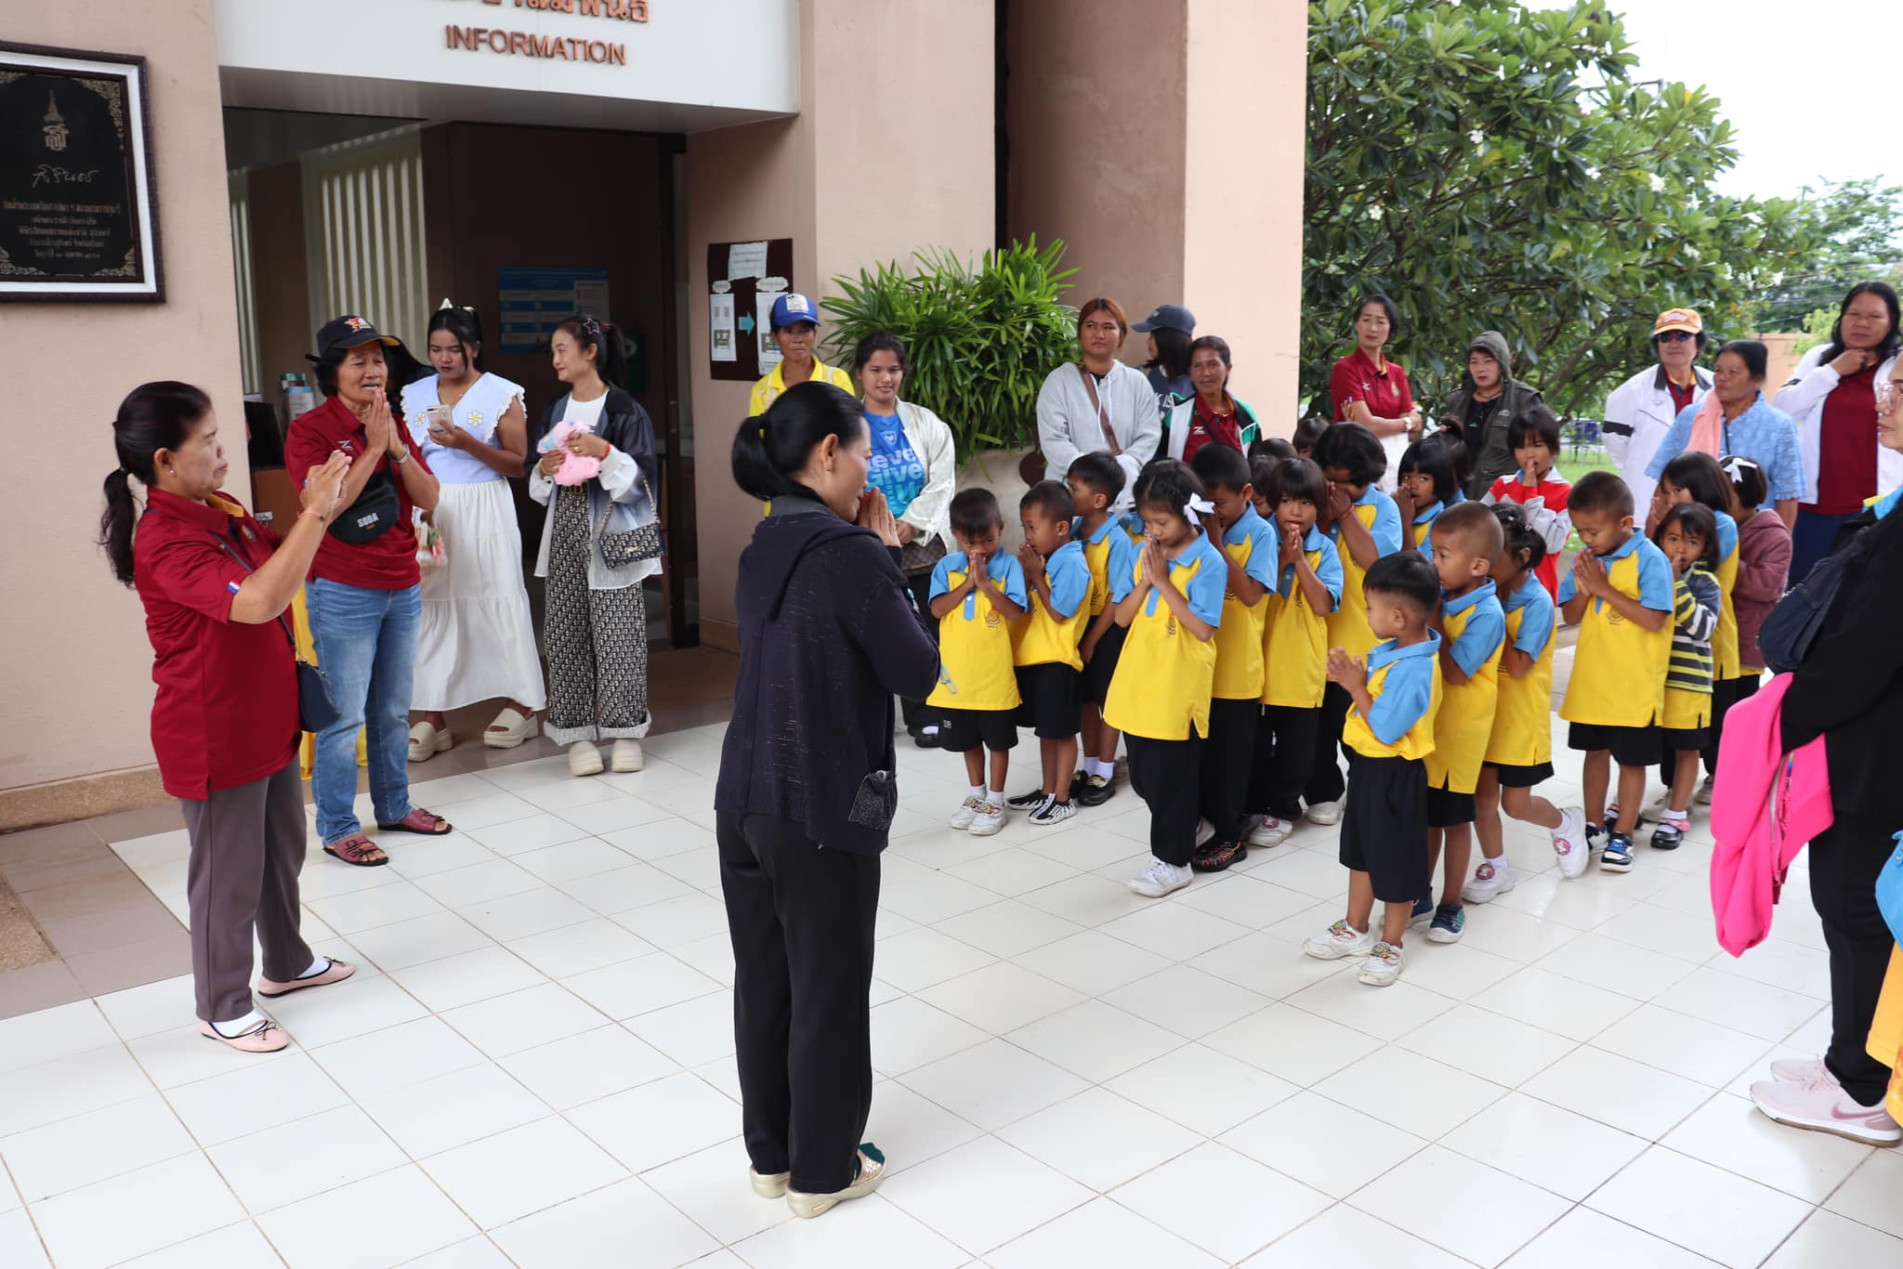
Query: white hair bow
pixel 1201 506
pixel 467 308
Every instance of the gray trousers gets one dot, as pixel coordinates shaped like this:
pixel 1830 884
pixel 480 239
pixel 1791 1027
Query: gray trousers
pixel 247 849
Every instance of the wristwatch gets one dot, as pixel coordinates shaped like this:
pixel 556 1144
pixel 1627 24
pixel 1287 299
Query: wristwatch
pixel 401 457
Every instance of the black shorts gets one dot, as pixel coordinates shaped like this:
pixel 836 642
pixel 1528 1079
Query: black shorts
pixel 1677 740
pixel 1053 697
pixel 1630 746
pixel 962 730
pixel 1384 829
pixel 1516 777
pixel 1447 809
pixel 1103 663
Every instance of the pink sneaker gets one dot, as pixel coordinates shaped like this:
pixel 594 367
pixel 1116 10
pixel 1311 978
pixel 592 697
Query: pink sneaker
pixel 1821 1105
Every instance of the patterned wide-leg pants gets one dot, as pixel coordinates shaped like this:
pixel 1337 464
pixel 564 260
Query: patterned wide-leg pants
pixel 597 640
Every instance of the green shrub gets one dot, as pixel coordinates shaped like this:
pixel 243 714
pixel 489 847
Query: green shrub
pixel 981 340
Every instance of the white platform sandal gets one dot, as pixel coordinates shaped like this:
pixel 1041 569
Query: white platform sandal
pixel 427 740
pixel 510 728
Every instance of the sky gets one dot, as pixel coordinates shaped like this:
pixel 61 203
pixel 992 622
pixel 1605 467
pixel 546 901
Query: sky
pixel 1788 73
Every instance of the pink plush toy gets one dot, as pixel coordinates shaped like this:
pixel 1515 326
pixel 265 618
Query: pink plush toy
pixel 575 469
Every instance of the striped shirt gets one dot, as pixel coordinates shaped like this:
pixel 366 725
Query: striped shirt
pixel 1696 601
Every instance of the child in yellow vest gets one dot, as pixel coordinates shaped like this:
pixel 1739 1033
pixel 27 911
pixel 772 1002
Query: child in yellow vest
pixel 1396 693
pixel 1520 746
pixel 1295 651
pixel 1159 698
pixel 1465 540
pixel 1044 645
pixel 1620 593
pixel 1249 556
pixel 1095 481
pixel 976 593
pixel 1365 525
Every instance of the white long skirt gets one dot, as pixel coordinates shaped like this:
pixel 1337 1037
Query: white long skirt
pixel 476 641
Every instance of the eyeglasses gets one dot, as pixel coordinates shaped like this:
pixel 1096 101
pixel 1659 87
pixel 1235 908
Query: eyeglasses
pixel 1673 336
pixel 1886 395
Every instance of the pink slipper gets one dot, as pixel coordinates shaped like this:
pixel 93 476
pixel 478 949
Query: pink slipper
pixel 337 972
pixel 266 1037
pixel 418 821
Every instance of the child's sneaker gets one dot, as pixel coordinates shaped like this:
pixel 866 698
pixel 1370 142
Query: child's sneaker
pixel 1596 837
pixel 1703 796
pixel 1339 940
pixel 1217 854
pixel 1324 813
pixel 1269 831
pixel 1027 801
pixel 1493 878
pixel 1670 833
pixel 1160 878
pixel 1572 843
pixel 1450 921
pixel 1618 856
pixel 967 811
pixel 1053 812
pixel 1423 910
pixel 1383 965
pixel 1093 790
pixel 987 820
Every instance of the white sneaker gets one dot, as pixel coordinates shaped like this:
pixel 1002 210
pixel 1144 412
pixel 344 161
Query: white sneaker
pixel 967 811
pixel 1570 842
pixel 1324 813
pixel 1383 965
pixel 1339 940
pixel 1160 878
pixel 584 758
pixel 1205 832
pixel 1494 877
pixel 1703 796
pixel 1799 1070
pixel 627 756
pixel 987 820
pixel 1269 831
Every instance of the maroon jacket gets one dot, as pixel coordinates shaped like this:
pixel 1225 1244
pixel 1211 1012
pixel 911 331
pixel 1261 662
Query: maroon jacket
pixel 1764 566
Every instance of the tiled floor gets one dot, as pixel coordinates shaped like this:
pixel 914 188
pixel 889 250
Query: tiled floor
pixel 535 1066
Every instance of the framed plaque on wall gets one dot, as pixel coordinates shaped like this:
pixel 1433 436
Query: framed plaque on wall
pixel 78 220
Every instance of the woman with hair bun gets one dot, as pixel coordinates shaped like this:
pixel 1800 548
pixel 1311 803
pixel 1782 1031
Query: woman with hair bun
pixel 215 584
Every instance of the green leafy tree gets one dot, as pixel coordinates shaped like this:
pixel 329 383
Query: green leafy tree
pixel 1493 166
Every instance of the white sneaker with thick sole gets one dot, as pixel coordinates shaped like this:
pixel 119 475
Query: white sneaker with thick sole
pixel 1493 878
pixel 1160 878
pixel 627 756
pixel 987 820
pixel 1821 1105
pixel 584 758
pixel 967 811
pixel 1799 1070
pixel 1570 842
pixel 871 1172
pixel 1269 831
pixel 1383 965
pixel 1341 939
pixel 1323 813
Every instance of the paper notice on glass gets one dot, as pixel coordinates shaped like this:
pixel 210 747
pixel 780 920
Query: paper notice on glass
pixel 721 343
pixel 591 296
pixel 769 351
pixel 746 260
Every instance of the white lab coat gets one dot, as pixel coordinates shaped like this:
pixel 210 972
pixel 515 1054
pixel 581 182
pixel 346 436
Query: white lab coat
pixel 1638 415
pixel 1802 397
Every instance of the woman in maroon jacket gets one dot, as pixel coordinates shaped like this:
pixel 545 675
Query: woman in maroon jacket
pixel 225 722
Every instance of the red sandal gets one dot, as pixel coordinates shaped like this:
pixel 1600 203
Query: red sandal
pixel 358 851
pixel 418 821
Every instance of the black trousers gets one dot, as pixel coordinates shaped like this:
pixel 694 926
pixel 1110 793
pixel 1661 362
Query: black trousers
pixel 1167 775
pixel 801 919
pixel 1284 757
pixel 913 713
pixel 1227 757
pixel 1724 695
pixel 1844 863
pixel 1324 777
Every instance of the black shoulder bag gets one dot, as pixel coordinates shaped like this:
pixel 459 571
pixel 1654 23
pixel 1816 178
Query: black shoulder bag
pixel 374 513
pixel 314 710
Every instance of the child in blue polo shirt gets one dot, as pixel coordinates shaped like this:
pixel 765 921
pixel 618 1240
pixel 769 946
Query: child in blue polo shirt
pixel 1044 645
pixel 1427 486
pixel 1095 482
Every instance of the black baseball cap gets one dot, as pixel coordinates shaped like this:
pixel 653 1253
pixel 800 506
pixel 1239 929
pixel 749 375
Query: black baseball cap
pixel 340 334
pixel 1168 317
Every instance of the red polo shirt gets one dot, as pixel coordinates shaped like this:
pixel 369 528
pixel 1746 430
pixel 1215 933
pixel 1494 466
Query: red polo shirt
pixel 1847 452
pixel 385 563
pixel 1385 391
pixel 226 712
pixel 1207 426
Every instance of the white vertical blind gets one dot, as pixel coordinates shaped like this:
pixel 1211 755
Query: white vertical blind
pixel 240 193
pixel 363 217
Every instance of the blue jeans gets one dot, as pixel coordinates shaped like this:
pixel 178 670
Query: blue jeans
pixel 366 647
pixel 1811 540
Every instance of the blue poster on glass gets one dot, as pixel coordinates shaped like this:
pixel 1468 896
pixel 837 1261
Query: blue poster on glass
pixel 533 301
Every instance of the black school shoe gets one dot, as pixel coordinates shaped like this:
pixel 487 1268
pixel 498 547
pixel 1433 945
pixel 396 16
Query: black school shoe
pixel 1217 854
pixel 1093 791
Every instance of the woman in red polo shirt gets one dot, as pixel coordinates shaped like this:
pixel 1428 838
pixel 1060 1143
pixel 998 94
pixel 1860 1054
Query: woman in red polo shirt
pixel 365 591
pixel 1368 389
pixel 224 724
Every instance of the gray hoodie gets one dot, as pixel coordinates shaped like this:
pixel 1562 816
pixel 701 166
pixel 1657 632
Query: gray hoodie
pixel 1492 456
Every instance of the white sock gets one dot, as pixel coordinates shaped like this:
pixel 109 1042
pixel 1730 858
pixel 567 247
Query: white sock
pixel 318 966
pixel 978 791
pixel 1102 769
pixel 931 730
pixel 238 1026
pixel 995 797
pixel 1677 817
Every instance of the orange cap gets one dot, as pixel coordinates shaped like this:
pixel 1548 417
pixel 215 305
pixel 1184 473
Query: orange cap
pixel 1685 319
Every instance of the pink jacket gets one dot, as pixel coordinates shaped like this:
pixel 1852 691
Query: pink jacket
pixel 1766 804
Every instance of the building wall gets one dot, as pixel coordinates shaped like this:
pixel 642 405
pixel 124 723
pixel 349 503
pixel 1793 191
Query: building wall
pixel 279 279
pixel 76 677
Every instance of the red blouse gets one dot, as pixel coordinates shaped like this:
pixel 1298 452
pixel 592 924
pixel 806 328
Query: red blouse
pixel 1385 391
pixel 384 563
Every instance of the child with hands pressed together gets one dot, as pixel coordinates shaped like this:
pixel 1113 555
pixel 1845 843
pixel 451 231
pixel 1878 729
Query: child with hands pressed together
pixel 1396 693
pixel 1045 645
pixel 1295 650
pixel 1697 477
pixel 1539 492
pixel 1689 537
pixel 1520 745
pixel 1427 487
pixel 976 593
pixel 1095 482
pixel 1248 549
pixel 1159 698
pixel 1620 593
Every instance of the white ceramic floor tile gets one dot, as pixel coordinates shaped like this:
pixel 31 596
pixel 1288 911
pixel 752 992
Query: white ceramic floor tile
pixel 1099 1138
pixel 710 1186
pixel 1177 1197
pixel 255 1098
pixel 1555 1149
pixel 1103 1235
pixel 692 1033
pixel 1730 1133
pixel 999 997
pixel 984 1194
pixel 1425 1096
pixel 878 1233
pixel 1322 1241
pixel 518 916
pixel 384 1220
pixel 1627 1095
pixel 1682 1045
pixel 506 1177
pixel 369 909
pixel 1089 961
pixel 461 887
pixel 1388 1012
pixel 1186 1000
pixel 1205 1091
pixel 342 1011
pixel 1827 1239
pixel 1291 1044
pixel 606 1227
pixel 581 1068
pixel 1556 1003
pixel 455 1109
pixel 1009 928
pixel 1585 1239
pixel 1870 1195
pixel 1769 1013
pixel 387 1060
pixel 524 1019
pixel 1095 1040
pixel 69 1153
pixel 293 1161
pixel 70 1085
pixel 1488 1045
pixel 1087 900
pixel 922 957
pixel 907 1033
pixel 523 838
pixel 658 1122
pixel 914 1128
pixel 184 1055
pixel 156 1206
pixel 1174 929
pixel 417 942
pixel 20 1243
pixel 993 1084
pixel 672 922
pixel 1323 1144
pixel 463 980
pixel 1617 967
pixel 1712 1212
pixel 147 1010
pixel 1246 899
pixel 1433 1196
pixel 240 1246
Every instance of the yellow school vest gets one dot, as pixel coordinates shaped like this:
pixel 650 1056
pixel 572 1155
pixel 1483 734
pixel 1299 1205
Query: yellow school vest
pixel 1043 638
pixel 1097 556
pixel 1522 734
pixel 1464 722
pixel 1239 638
pixel 1295 647
pixel 1618 677
pixel 1725 662
pixel 768 387
pixel 1348 624
pixel 1418 740
pixel 975 656
pixel 1164 675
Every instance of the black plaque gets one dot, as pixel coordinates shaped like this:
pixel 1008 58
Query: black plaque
pixel 77 220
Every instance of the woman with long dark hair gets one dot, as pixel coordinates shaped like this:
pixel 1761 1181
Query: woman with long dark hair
pixel 476 641
pixel 600 542
pixel 215 584
pixel 365 593
pixel 807 791
pixel 1832 397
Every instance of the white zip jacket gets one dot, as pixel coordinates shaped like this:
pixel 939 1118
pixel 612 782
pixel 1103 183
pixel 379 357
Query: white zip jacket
pixel 1638 415
pixel 1802 397
pixel 1067 423
pixel 931 439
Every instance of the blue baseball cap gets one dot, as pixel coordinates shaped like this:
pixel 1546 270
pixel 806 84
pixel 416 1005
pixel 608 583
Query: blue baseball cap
pixel 1168 317
pixel 793 308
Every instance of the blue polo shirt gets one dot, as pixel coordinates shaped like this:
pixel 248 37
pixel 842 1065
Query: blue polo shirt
pixel 1484 632
pixel 1327 568
pixel 1408 689
pixel 1763 433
